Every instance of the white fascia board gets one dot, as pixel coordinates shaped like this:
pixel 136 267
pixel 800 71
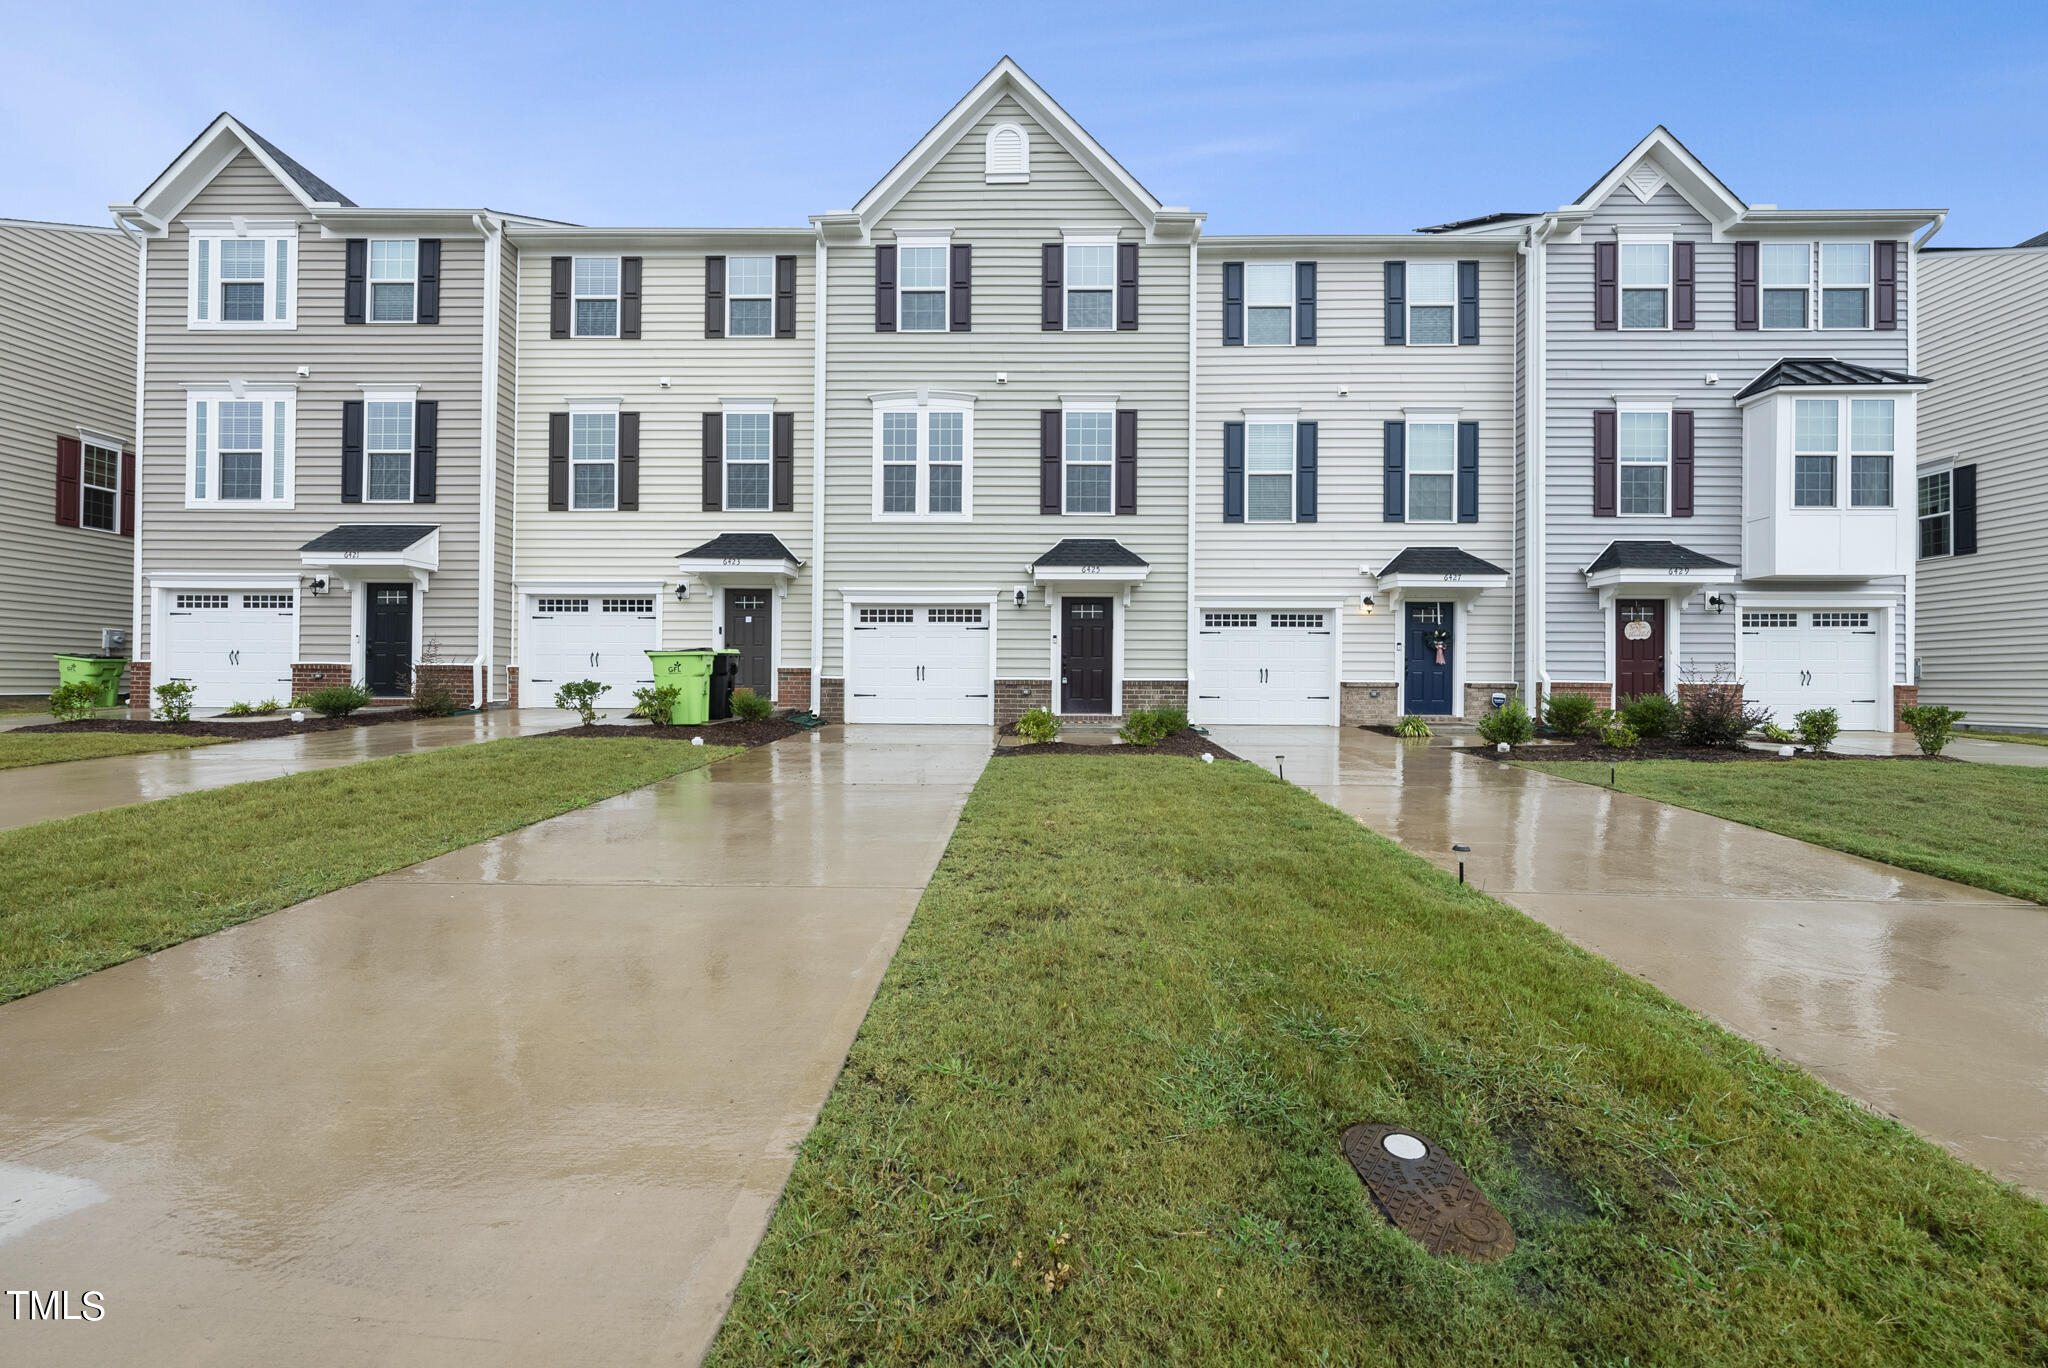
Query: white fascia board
pixel 1829 392
pixel 338 224
pixel 424 554
pixel 704 567
pixel 920 596
pixel 645 241
pixel 1073 574
pixel 1639 577
pixel 1685 173
pixel 1366 244
pixel 551 587
pixel 199 163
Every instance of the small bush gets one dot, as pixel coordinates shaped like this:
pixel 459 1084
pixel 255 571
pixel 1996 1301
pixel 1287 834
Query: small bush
pixel 1652 715
pixel 657 705
pixel 239 710
pixel 1571 714
pixel 1039 725
pixel 338 700
pixel 1411 726
pixel 1509 723
pixel 174 701
pixel 267 707
pixel 581 697
pixel 1776 735
pixel 74 702
pixel 1716 715
pixel 1818 727
pixel 1150 726
pixel 749 706
pixel 431 697
pixel 1620 735
pixel 1933 725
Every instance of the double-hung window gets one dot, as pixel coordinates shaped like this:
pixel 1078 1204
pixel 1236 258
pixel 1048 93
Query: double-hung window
pixel 748 449
pixel 922 454
pixel 749 297
pixel 387 448
pixel 1787 272
pixel 1432 463
pixel 243 276
pixel 1432 303
pixel 1268 470
pixel 1269 304
pixel 1089 454
pixel 1645 284
pixel 1870 453
pixel 1816 449
pixel 593 459
pixel 394 279
pixel 1091 285
pixel 595 305
pixel 921 285
pixel 238 447
pixel 1937 513
pixel 1643 457
pixel 1845 284
pixel 99 487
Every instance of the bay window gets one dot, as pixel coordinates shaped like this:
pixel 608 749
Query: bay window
pixel 1816 440
pixel 1871 449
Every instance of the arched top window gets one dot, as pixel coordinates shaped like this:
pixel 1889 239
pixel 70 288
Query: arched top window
pixel 1007 158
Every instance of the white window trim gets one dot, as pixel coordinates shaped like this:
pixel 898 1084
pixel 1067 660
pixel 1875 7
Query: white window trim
pixel 989 174
pixel 1410 304
pixel 924 402
pixel 273 460
pixel 240 229
pixel 1292 293
pixel 1622 406
pixel 731 297
pixel 942 238
pixel 1085 237
pixel 731 409
pixel 370 282
pixel 392 394
pixel 1841 442
pixel 591 406
pixel 1087 403
pixel 1272 417
pixel 575 317
pixel 1624 241
pixel 1812 288
pixel 1421 418
pixel 1821 287
pixel 88 438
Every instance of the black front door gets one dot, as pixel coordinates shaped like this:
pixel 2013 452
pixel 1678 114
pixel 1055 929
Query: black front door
pixel 387 648
pixel 748 630
pixel 1428 690
pixel 1086 642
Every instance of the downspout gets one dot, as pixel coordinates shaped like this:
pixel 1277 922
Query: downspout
pixel 141 347
pixel 818 331
pixel 487 473
pixel 1188 636
pixel 1535 585
pixel 1913 368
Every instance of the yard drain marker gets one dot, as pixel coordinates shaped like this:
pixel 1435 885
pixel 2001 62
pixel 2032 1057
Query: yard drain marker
pixel 1424 1193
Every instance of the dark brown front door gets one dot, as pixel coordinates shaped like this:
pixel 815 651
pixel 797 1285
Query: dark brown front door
pixel 748 630
pixel 1086 641
pixel 1638 648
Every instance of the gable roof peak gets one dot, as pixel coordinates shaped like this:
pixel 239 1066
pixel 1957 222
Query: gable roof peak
pixel 219 143
pixel 1658 160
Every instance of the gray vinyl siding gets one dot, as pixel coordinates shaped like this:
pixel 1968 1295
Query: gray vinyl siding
pixel 1146 369
pixel 444 360
pixel 1983 620
pixel 1587 368
pixel 67 359
pixel 1323 558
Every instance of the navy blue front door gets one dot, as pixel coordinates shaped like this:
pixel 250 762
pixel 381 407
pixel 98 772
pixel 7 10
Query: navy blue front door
pixel 1428 686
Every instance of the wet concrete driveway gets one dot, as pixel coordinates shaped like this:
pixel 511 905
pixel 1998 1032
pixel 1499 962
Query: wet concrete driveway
pixel 530 1102
pixel 1920 996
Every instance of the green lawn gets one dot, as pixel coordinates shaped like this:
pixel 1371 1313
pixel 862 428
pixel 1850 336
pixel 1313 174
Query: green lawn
pixel 18 750
pixel 90 891
pixel 1981 825
pixel 2021 738
pixel 1137 1005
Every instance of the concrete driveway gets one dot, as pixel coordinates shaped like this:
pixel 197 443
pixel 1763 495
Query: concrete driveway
pixel 530 1102
pixel 1922 997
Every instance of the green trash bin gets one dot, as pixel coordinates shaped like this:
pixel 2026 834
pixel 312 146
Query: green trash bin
pixel 103 672
pixel 689 671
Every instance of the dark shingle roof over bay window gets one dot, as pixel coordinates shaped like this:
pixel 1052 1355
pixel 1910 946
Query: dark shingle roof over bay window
pixel 371 537
pixel 741 546
pixel 1090 551
pixel 1797 371
pixel 1438 560
pixel 1653 555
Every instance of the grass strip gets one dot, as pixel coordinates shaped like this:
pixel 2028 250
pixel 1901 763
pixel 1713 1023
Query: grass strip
pixel 2018 738
pixel 1092 1118
pixel 90 891
pixel 19 750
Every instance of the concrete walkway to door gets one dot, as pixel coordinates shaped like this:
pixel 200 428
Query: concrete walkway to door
pixel 528 1103
pixel 1922 997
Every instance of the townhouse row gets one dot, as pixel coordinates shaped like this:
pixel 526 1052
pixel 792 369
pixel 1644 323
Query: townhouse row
pixel 1010 433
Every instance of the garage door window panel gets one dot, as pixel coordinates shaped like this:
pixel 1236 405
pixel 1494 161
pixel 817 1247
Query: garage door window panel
pixel 1432 472
pixel 1269 472
pixel 594 460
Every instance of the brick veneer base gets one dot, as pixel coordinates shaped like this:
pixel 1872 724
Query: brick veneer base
pixel 307 677
pixel 138 684
pixel 1015 697
pixel 793 688
pixel 1479 698
pixel 459 679
pixel 1141 694
pixel 1903 696
pixel 1369 703
pixel 512 687
pixel 1601 692
pixel 832 699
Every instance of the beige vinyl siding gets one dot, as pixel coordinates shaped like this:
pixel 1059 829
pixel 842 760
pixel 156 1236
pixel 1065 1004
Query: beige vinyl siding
pixel 1983 619
pixel 1147 370
pixel 444 360
pixel 1323 558
pixel 641 547
pixel 67 359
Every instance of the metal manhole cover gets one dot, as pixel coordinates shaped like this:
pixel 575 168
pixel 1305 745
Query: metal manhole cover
pixel 1425 1194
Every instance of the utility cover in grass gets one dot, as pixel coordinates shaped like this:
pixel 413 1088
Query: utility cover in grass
pixel 1425 1194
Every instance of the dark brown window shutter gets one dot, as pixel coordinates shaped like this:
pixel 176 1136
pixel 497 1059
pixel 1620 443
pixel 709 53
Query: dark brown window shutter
pixel 629 298
pixel 70 473
pixel 783 453
pixel 426 442
pixel 1681 463
pixel 1681 287
pixel 429 310
pixel 1885 273
pixel 352 450
pixel 1049 429
pixel 558 297
pixel 558 462
pixel 1606 472
pixel 714 462
pixel 962 279
pixel 1052 297
pixel 885 287
pixel 355 290
pixel 1606 285
pixel 1747 301
pixel 785 296
pixel 1127 287
pixel 127 493
pixel 1126 460
pixel 629 463
pixel 714 296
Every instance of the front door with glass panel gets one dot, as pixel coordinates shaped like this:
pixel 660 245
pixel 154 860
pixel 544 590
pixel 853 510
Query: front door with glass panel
pixel 387 644
pixel 1427 687
pixel 1638 648
pixel 749 630
pixel 1086 644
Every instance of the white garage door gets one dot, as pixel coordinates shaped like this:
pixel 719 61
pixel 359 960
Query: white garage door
pixel 604 637
pixel 232 645
pixel 918 664
pixel 1265 666
pixel 1793 660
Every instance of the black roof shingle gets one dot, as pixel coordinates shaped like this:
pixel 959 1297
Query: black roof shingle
pixel 1796 371
pixel 1438 560
pixel 1653 555
pixel 741 546
pixel 1090 551
pixel 371 537
pixel 320 190
pixel 2037 240
pixel 1482 221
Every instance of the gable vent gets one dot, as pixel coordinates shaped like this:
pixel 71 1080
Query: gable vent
pixel 1007 156
pixel 1646 180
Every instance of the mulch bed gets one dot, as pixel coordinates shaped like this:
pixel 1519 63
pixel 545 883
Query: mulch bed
pixel 234 731
pixel 733 733
pixel 1660 748
pixel 1183 743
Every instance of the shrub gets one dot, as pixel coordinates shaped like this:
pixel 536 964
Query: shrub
pixel 1509 723
pixel 239 710
pixel 267 707
pixel 337 700
pixel 174 701
pixel 1652 715
pixel 1776 735
pixel 1148 727
pixel 432 698
pixel 1570 714
pixel 74 702
pixel 657 705
pixel 749 706
pixel 1411 726
pixel 1933 725
pixel 1620 735
pixel 1818 727
pixel 1716 715
pixel 580 696
pixel 1039 725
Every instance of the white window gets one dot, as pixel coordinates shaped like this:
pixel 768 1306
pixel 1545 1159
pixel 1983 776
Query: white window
pixel 1845 284
pixel 922 457
pixel 238 448
pixel 1006 157
pixel 1268 471
pixel 595 302
pixel 593 460
pixel 1870 453
pixel 1643 452
pixel 1816 444
pixel 1091 284
pixel 387 448
pixel 1432 303
pixel 1269 303
pixel 99 487
pixel 749 296
pixel 921 279
pixel 243 276
pixel 1786 271
pixel 1432 469
pixel 1645 284
pixel 1090 457
pixel 748 449
pixel 394 279
pixel 1937 514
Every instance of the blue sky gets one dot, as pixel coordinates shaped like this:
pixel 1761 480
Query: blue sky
pixel 1274 118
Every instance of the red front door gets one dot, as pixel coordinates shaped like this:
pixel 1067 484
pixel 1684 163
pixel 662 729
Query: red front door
pixel 1638 648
